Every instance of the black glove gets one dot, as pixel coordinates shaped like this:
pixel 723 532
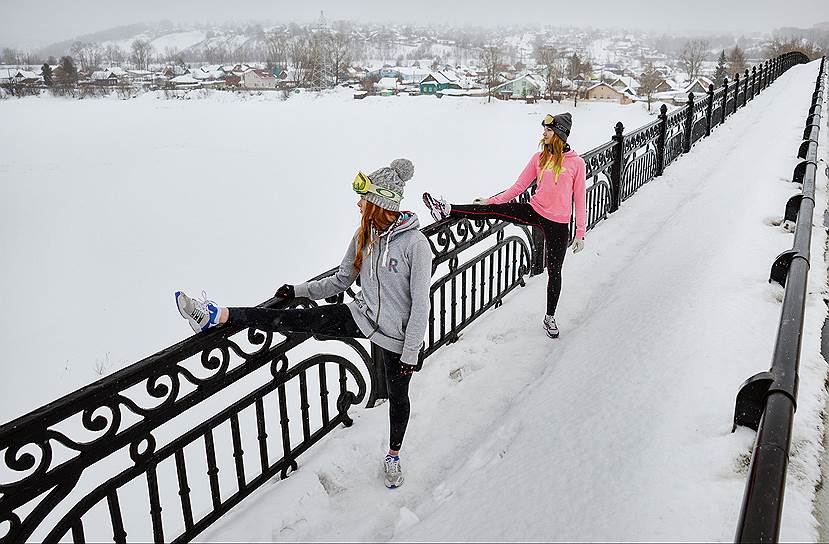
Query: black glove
pixel 286 291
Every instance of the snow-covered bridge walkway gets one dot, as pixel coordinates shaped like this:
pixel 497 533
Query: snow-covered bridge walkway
pixel 621 429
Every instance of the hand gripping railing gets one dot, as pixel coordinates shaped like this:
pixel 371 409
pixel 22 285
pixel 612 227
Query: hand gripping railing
pixel 163 448
pixel 767 401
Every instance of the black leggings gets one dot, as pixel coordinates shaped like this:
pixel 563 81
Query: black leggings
pixel 336 320
pixel 557 236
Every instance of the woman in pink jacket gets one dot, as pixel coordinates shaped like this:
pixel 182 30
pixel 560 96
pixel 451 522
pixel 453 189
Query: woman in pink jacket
pixel 560 190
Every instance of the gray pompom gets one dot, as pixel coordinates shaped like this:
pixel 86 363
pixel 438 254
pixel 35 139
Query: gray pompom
pixel 404 168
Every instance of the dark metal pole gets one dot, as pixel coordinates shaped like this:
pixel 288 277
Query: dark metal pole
pixel 660 143
pixel 724 111
pixel 689 122
pixel 709 110
pixel 616 167
pixel 736 91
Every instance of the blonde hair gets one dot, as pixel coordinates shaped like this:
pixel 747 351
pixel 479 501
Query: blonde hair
pixel 375 220
pixel 554 151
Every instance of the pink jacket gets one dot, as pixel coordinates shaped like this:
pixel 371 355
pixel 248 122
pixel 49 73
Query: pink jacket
pixel 554 199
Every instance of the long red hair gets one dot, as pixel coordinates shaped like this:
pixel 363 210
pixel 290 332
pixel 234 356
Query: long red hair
pixel 553 152
pixel 378 218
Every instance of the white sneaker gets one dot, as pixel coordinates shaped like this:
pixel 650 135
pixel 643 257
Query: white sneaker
pixel 550 326
pixel 393 471
pixel 201 314
pixel 437 207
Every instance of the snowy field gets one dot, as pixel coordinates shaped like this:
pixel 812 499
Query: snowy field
pixel 109 206
pixel 618 431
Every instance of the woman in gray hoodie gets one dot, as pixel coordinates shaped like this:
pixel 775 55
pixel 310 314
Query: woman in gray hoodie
pixel 394 261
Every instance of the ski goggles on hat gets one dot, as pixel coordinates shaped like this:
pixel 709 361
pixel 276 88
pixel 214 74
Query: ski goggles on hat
pixel 363 185
pixel 548 121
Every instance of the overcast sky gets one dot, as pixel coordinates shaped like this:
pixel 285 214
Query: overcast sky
pixel 35 23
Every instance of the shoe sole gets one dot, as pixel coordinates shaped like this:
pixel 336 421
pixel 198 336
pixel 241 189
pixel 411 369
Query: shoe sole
pixel 430 205
pixel 193 325
pixel 393 486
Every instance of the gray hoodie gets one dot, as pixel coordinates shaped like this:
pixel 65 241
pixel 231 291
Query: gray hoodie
pixel 392 309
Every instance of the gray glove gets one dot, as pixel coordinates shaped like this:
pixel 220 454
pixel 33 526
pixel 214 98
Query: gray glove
pixel 578 245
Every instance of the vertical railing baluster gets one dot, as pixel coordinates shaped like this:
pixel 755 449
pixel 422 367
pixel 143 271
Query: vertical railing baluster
pixel 432 319
pixel 283 422
pixel 507 279
pixel 344 387
pixel 724 101
pixel 736 91
pixel 498 288
pixel 753 82
pixel 184 491
pixel 119 535
pixel 442 312
pixel 474 289
pixel 262 433
pixel 745 88
pixel 155 504
pixel 454 307
pixel 238 452
pixel 304 406
pixel 324 395
pixel 491 275
pixel 483 283
pixel 78 536
pixel 212 468
pixel 464 296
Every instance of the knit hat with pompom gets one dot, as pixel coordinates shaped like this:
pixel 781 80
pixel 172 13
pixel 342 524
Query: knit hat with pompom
pixel 393 178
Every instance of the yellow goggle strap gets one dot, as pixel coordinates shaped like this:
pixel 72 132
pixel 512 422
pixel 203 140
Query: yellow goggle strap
pixel 363 185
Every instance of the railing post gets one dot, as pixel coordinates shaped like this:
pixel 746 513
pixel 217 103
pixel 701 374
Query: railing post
pixel 709 111
pixel 753 81
pixel 616 167
pixel 724 111
pixel 660 142
pixel 736 91
pixel 689 122
pixel 745 88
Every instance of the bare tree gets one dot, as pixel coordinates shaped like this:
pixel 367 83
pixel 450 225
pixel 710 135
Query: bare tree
pixel 88 55
pixel 693 55
pixel 490 62
pixel 141 53
pixel 737 61
pixel 339 54
pixel 276 50
pixel 549 58
pixel 579 71
pixel 650 81
pixel 11 56
pixel 114 55
pixel 215 54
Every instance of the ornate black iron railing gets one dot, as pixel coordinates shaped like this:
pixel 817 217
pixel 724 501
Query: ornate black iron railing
pixel 161 449
pixel 766 402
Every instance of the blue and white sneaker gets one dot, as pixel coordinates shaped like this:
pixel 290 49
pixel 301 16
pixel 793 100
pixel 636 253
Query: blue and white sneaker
pixel 437 207
pixel 201 314
pixel 393 471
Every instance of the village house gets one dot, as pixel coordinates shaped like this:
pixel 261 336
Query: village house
pixel 698 86
pixel 438 81
pixel 605 92
pixel 258 79
pixel 522 87
pixel 104 78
